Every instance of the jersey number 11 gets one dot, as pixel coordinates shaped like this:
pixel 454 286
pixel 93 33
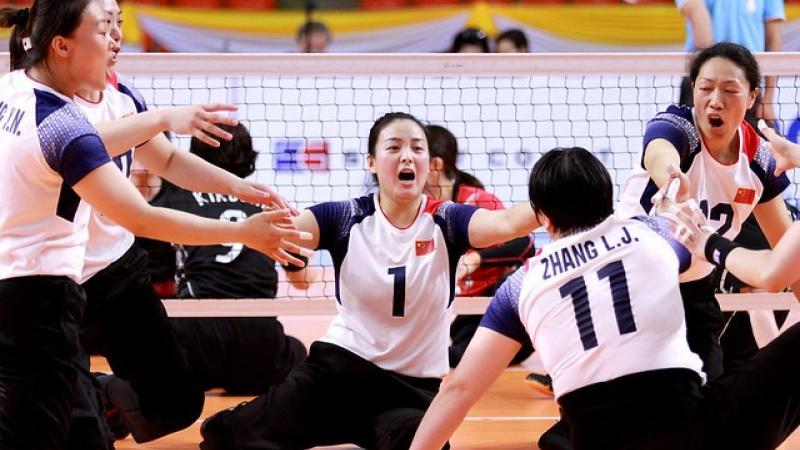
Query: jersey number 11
pixel 576 288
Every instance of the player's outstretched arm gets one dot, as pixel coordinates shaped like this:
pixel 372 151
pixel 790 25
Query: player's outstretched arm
pixel 786 153
pixel 774 219
pixel 200 121
pixel 271 233
pixel 193 173
pixel 486 358
pixel 490 227
pixel 661 160
pixel 768 269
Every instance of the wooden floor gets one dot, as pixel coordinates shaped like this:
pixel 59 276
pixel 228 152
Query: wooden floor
pixel 511 416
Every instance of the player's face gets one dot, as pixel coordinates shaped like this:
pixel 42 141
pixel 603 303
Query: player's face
pixel 114 14
pixel 722 96
pixel 401 160
pixel 91 49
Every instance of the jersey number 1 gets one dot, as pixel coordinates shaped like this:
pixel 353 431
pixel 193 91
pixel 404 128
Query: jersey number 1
pixel 576 288
pixel 399 297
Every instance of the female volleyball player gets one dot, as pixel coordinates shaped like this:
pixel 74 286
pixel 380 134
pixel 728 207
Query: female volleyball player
pixel 49 156
pixel 624 376
pixel 480 272
pixel 154 391
pixel 370 379
pixel 730 172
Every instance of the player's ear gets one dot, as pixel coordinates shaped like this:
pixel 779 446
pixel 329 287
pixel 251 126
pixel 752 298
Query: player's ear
pixel 371 164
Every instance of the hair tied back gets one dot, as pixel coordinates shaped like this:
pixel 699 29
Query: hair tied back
pixel 21 17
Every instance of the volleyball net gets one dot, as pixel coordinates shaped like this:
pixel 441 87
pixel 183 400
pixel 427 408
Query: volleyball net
pixel 310 115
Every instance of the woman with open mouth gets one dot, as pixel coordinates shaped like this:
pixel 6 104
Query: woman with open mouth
pixel 729 173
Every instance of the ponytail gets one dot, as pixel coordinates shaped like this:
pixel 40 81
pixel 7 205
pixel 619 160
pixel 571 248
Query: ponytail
pixel 19 19
pixel 468 179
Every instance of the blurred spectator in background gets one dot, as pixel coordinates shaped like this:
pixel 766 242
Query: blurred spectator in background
pixel 511 41
pixel 470 40
pixel 313 37
pixel 755 24
pixel 479 272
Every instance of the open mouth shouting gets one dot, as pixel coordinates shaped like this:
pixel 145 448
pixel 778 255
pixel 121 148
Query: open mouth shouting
pixel 407 176
pixel 715 121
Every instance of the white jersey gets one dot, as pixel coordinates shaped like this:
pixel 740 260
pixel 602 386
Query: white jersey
pixel 46 147
pixel 726 193
pixel 600 304
pixel 394 286
pixel 107 240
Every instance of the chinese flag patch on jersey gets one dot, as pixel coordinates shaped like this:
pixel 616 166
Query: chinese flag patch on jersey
pixel 744 195
pixel 424 247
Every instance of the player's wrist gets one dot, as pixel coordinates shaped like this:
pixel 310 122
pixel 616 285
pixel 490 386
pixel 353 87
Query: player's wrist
pixel 718 248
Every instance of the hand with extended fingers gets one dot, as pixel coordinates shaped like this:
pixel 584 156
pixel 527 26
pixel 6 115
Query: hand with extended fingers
pixel 200 121
pixel 692 228
pixel 786 153
pixel 261 194
pixel 273 234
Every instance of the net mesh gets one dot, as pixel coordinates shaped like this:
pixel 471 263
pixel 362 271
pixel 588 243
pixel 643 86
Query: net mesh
pixel 310 116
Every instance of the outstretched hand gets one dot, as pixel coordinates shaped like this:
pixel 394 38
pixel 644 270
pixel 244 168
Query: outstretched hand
pixel 692 228
pixel 786 153
pixel 200 121
pixel 677 188
pixel 273 234
pixel 261 194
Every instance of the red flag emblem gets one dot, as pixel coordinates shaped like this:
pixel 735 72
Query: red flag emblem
pixel 744 195
pixel 424 247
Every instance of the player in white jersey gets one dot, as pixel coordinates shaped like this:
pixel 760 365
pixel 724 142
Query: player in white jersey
pixel 49 156
pixel 771 270
pixel 153 388
pixel 369 380
pixel 730 172
pixel 601 305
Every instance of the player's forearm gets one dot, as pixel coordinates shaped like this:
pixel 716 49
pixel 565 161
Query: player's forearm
pixel 182 228
pixel 121 135
pixel 443 417
pixel 659 155
pixel 193 173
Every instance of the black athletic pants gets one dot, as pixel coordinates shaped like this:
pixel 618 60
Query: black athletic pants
pixel 754 407
pixel 704 323
pixel 243 355
pixel 334 397
pixel 126 322
pixel 43 371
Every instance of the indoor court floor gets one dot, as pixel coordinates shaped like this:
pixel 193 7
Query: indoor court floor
pixel 511 416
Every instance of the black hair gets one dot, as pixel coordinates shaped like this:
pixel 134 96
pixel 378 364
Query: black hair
pixel 442 144
pixel 236 156
pixel 40 23
pixel 382 123
pixel 572 188
pixel 734 53
pixel 312 27
pixel 470 36
pixel 516 36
